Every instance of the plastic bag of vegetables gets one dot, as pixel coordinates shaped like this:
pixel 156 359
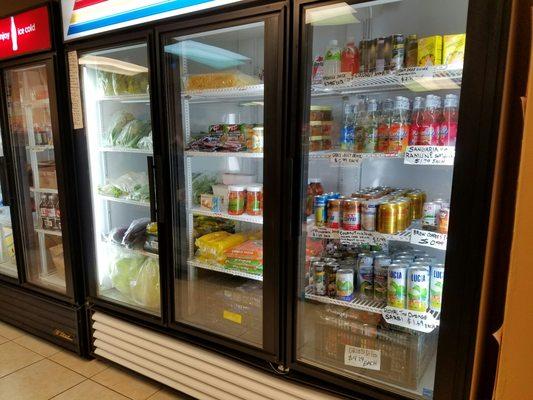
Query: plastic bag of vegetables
pixel 117 123
pixel 146 142
pixel 202 184
pixel 145 288
pixel 124 271
pixel 132 132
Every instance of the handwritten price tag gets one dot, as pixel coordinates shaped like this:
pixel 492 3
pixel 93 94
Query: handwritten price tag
pixel 415 320
pixel 429 239
pixel 362 237
pixel 362 358
pixel 345 158
pixel 429 155
pixel 321 232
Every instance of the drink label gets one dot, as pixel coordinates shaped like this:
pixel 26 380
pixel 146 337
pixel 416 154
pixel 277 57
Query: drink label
pixel 362 358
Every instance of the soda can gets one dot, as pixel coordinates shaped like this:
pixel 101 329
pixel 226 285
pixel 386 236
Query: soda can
pixel 398 52
pixel 404 253
pixel 351 215
pixel 418 199
pixel 436 286
pixel 371 55
pixel 403 215
pixel 396 285
pixel 365 281
pixel 430 213
pixel 310 269
pixel 387 220
pixel 364 258
pixel 368 216
pixel 387 51
pixel 319 277
pixel 363 55
pixel 331 279
pixel 443 220
pixel 418 289
pixel 344 282
pixel 334 213
pixel 380 282
pixel 382 261
pixel 320 210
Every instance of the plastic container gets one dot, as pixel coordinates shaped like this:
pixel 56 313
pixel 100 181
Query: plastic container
pixel 254 200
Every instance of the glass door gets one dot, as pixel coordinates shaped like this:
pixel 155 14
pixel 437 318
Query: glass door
pixel 116 92
pixel 217 84
pixel 8 262
pixel 383 83
pixel 32 130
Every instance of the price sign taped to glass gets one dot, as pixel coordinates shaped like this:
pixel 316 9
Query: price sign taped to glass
pixel 362 358
pixel 362 237
pixel 429 239
pixel 321 232
pixel 415 320
pixel 429 155
pixel 345 158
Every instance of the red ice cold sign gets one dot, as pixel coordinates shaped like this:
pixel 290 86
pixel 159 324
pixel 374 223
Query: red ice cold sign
pixel 23 33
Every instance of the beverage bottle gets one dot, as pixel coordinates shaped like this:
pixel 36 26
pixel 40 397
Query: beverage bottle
pixel 370 138
pixel 384 124
pixel 360 117
pixel 416 121
pixel 399 132
pixel 448 128
pixel 430 121
pixel 43 211
pixel 57 219
pixel 347 138
pixel 332 59
pixel 350 57
pixel 14 35
pixel 51 212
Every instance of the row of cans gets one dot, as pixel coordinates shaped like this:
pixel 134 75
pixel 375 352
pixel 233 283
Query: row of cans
pixel 389 214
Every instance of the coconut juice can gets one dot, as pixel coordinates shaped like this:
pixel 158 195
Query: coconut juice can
pixel 396 285
pixel 380 282
pixel 344 284
pixel 436 286
pixel 418 289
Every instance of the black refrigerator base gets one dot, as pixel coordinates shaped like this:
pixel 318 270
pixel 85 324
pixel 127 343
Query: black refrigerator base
pixel 61 324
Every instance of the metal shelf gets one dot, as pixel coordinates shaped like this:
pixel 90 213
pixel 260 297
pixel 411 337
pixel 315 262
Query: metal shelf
pixel 237 93
pixel 140 252
pixel 255 219
pixel 419 79
pixel 125 201
pixel 224 270
pixel 327 154
pixel 124 150
pixel 48 232
pixel 43 190
pixel 359 304
pixel 241 154
pixel 40 147
pixel 127 98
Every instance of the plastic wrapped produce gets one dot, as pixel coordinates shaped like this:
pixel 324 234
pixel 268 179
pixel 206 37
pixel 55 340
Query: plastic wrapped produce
pixel 226 79
pixel 111 190
pixel 105 83
pixel 136 232
pixel 124 271
pixel 146 143
pixel 132 185
pixel 202 184
pixel 132 132
pixel 145 289
pixel 247 257
pixel 117 123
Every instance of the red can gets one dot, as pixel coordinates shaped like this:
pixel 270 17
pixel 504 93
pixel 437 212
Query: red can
pixel 351 215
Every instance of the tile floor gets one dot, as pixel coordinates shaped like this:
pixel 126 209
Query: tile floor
pixel 33 369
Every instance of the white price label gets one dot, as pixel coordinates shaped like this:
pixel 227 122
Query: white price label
pixel 429 155
pixel 415 320
pixel 339 79
pixel 330 80
pixel 345 158
pixel 429 239
pixel 362 237
pixel 322 232
pixel 362 358
pixel 408 74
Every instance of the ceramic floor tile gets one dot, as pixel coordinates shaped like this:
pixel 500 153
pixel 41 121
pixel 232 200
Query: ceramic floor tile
pixel 39 381
pixel 132 386
pixel 9 331
pixel 167 394
pixel 87 368
pixel 37 345
pixel 89 390
pixel 3 339
pixel 14 357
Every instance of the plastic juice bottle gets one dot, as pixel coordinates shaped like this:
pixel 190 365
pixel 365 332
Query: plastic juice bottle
pixel 416 121
pixel 384 124
pixel 399 132
pixel 348 128
pixel 370 138
pixel 332 59
pixel 360 127
pixel 350 57
pixel 430 121
pixel 448 128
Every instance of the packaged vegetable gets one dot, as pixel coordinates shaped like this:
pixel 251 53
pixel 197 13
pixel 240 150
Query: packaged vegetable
pixel 249 250
pixel 118 121
pixel 111 190
pixel 145 288
pixel 202 184
pixel 136 232
pixel 104 82
pixel 213 245
pixel 124 270
pixel 230 78
pixel 146 142
pixel 204 225
pixel 249 266
pixel 132 133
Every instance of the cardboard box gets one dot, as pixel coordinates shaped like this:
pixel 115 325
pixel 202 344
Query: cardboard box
pixel 430 51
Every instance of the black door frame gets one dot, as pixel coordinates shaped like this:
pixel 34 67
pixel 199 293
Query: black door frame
pixel 487 31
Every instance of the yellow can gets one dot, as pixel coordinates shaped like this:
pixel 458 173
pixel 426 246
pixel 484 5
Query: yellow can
pixel 403 213
pixel 387 218
pixel 418 198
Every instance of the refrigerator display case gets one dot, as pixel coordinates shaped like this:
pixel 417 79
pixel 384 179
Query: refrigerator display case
pixel 383 118
pixel 115 87
pixel 39 290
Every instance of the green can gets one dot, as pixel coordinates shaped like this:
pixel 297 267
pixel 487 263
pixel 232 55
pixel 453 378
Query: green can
pixel 396 286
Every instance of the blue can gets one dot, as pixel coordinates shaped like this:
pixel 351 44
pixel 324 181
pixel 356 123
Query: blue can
pixel 320 210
